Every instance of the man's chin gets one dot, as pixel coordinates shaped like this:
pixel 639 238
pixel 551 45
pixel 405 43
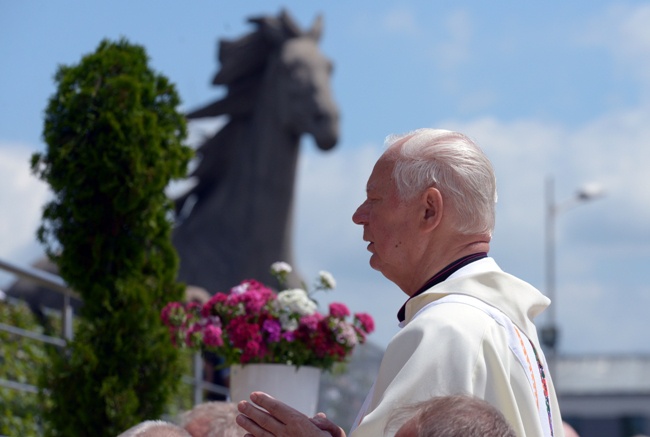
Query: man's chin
pixel 374 263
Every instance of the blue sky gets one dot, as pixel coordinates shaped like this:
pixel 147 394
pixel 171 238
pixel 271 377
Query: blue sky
pixel 559 90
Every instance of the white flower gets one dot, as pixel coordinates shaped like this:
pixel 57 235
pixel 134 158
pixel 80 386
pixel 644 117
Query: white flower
pixel 240 289
pixel 288 324
pixel 281 268
pixel 326 279
pixel 297 301
pixel 345 334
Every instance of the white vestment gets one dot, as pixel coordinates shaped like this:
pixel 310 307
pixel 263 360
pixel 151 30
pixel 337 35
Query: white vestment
pixel 477 341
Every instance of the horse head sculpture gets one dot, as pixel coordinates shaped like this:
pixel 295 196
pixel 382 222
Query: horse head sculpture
pixel 237 219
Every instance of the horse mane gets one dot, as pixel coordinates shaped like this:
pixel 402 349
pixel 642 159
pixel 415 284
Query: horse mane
pixel 243 62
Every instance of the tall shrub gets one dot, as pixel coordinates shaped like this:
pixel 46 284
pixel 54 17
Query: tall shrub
pixel 114 141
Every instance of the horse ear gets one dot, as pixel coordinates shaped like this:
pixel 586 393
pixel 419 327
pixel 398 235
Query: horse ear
pixel 270 28
pixel 277 30
pixel 316 30
pixel 290 26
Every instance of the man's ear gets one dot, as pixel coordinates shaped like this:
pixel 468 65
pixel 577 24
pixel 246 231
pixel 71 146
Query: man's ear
pixel 433 208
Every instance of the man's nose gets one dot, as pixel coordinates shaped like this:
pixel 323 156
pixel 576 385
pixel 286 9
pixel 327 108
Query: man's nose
pixel 360 216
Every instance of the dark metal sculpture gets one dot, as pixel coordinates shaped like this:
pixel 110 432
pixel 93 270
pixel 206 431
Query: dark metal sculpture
pixel 237 219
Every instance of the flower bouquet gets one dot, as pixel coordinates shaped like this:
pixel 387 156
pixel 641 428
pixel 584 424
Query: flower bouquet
pixel 254 324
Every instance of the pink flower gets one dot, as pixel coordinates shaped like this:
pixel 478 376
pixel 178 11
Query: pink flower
pixel 193 337
pixel 255 299
pixel 311 322
pixel 246 286
pixel 214 301
pixel 366 321
pixel 345 334
pixel 253 350
pixel 193 307
pixel 212 336
pixel 273 328
pixel 339 310
pixel 240 331
pixel 289 336
pixel 173 315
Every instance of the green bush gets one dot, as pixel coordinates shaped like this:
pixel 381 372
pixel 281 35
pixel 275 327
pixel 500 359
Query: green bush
pixel 20 361
pixel 114 142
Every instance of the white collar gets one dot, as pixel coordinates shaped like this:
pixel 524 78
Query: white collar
pixel 482 265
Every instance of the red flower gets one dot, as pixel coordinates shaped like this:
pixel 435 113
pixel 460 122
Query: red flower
pixel 339 310
pixel 173 314
pixel 253 350
pixel 240 331
pixel 210 305
pixel 311 322
pixel 254 299
pixel 193 336
pixel 212 336
pixel 366 321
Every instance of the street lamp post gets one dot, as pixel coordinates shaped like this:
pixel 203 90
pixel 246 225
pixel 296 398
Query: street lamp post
pixel 550 333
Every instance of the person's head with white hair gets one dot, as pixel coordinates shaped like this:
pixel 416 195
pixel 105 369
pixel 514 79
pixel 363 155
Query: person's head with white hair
pixel 452 163
pixel 212 419
pixel 155 428
pixel 430 201
pixel 450 416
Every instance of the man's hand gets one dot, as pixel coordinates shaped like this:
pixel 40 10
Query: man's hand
pixel 282 420
pixel 321 421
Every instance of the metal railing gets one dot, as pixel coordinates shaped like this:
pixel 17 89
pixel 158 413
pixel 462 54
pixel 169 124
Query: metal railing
pixel 57 284
pixel 51 281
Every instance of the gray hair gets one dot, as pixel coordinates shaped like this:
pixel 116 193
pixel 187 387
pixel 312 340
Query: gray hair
pixel 155 428
pixel 212 419
pixel 453 416
pixel 455 165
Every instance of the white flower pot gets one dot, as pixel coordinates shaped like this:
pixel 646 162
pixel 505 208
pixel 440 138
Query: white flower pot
pixel 296 387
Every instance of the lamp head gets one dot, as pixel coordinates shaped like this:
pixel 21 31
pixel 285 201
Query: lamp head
pixel 591 191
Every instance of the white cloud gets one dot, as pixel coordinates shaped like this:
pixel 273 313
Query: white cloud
pixel 477 101
pixel 22 197
pixel 401 21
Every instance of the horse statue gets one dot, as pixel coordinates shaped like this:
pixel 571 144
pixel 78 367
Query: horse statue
pixel 237 220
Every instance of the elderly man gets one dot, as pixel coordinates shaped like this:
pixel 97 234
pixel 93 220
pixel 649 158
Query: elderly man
pixel 466 326
pixel 451 416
